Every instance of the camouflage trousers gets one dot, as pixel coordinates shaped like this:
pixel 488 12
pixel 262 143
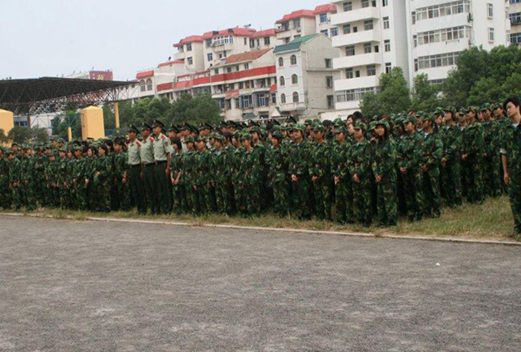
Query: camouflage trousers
pixel 5 199
pixel 299 198
pixel 322 192
pixel 180 205
pixel 491 178
pixel 100 196
pixel 472 176
pixel 387 200
pixel 248 197
pixel 362 205
pixel 224 197
pixel 451 183
pixel 412 194
pixel 280 196
pixel 344 201
pixel 431 192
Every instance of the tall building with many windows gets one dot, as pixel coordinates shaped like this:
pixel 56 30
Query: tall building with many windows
pixel 515 21
pixel 372 39
pixel 441 30
pixel 420 36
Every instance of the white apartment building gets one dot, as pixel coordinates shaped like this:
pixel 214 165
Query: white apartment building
pixel 372 39
pixel 420 36
pixel 305 76
pixel 305 22
pixel 441 29
pixel 515 21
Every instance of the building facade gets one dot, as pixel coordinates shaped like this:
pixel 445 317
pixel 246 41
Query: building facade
pixel 419 36
pixel 305 76
pixel 515 21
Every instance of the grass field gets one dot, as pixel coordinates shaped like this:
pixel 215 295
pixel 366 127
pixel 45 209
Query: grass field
pixel 490 220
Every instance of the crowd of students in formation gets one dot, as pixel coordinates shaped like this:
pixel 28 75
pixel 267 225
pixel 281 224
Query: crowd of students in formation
pixel 363 170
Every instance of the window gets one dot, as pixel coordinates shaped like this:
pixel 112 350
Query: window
pixel 245 41
pixel 365 3
pixel 354 94
pixel 515 38
pixel 425 62
pixel 293 59
pixel 371 70
pixel 294 79
pixel 189 47
pixel 210 57
pixel 385 3
pixel 329 81
pixel 246 66
pixel 328 63
pixel 350 50
pixel 515 18
pixel 295 97
pixel 282 81
pixel 216 71
pixel 357 74
pixel 208 43
pixel 283 98
pixel 281 62
pixel 323 18
pixel 149 84
pixel 367 48
pixel 491 34
pixel 446 9
pixel 142 86
pixel 490 10
pixel 190 61
pixel 330 102
pixel 387 45
pixel 296 23
pixel 346 28
pixel 368 25
pixel 334 31
pixel 349 73
pixel 348 6
pixel 388 67
pixel 228 69
pixel 266 40
pixel 376 49
pixel 324 32
pixel 386 22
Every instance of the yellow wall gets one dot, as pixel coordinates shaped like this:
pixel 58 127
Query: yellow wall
pixel 6 120
pixel 92 125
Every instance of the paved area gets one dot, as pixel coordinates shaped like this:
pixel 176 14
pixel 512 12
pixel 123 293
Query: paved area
pixel 90 286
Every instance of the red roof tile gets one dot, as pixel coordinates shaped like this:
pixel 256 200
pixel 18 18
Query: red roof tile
pixel 247 56
pixel 145 74
pixel 168 63
pixel 265 33
pixel 297 14
pixel 190 39
pixel 326 8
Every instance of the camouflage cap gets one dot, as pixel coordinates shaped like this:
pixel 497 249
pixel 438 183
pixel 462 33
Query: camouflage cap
pixel 189 139
pixel 359 125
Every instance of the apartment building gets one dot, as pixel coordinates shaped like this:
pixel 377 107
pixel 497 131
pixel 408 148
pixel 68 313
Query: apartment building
pixel 420 36
pixel 305 76
pixel 372 39
pixel 515 21
pixel 441 30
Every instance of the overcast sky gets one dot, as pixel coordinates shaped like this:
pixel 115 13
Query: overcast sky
pixel 56 37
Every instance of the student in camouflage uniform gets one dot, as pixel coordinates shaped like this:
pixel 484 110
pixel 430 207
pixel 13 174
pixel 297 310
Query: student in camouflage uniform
pixel 4 180
pixel 276 159
pixel 511 159
pixel 432 151
pixel 320 172
pixel 450 162
pixel 472 156
pixel 408 160
pixel 359 164
pixel 202 166
pixel 101 180
pixel 491 156
pixel 384 171
pixel 341 177
pixel 249 187
pixel 298 167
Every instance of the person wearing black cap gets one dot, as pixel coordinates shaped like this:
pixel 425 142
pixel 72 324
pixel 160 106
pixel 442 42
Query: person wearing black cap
pixel 146 152
pixel 133 176
pixel 162 150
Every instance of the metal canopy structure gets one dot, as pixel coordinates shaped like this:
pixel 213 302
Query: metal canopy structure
pixel 50 94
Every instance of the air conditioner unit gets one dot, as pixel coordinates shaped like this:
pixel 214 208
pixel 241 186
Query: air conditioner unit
pixel 299 30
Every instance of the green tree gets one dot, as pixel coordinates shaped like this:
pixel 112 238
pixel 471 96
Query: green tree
pixel 19 134
pixel 3 137
pixel 425 94
pixel 393 96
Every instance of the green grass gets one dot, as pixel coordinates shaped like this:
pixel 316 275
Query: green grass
pixel 490 220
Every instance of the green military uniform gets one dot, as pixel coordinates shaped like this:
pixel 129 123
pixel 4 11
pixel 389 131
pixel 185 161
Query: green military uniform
pixel 320 172
pixel 134 174
pixel 276 159
pixel 432 151
pixel 162 149
pixel 511 148
pixel 147 159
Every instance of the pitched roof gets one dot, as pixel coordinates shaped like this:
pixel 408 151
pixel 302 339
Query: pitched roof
pixel 190 39
pixel 326 8
pixel 247 56
pixel 295 44
pixel 297 14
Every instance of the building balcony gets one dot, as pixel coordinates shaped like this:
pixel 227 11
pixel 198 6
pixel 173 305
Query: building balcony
pixel 357 60
pixel 355 83
pixel 292 106
pixel 373 35
pixel 448 46
pixel 355 15
pixel 180 55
